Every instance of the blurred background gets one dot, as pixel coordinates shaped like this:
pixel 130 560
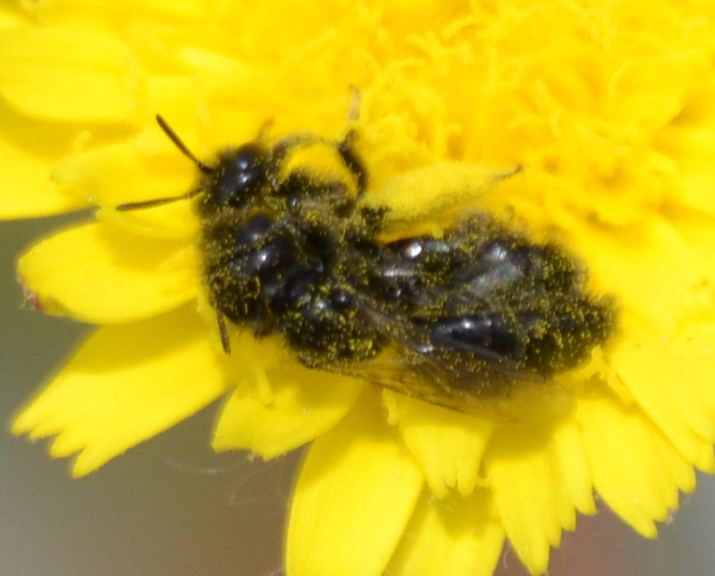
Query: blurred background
pixel 172 507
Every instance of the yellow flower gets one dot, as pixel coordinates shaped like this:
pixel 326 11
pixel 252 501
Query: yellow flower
pixel 607 105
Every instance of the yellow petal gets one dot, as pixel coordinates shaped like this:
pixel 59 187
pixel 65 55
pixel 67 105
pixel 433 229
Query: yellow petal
pixel 65 73
pixel 693 144
pixel 698 230
pixel 573 471
pixel 692 359
pixel 355 495
pixel 448 445
pixel 648 267
pixel 122 173
pixel 146 8
pixel 524 469
pixel 27 190
pixel 635 469
pixel 457 536
pixel 127 172
pixel 662 381
pixel 11 16
pixel 697 182
pixel 281 405
pixel 125 385
pixel 101 274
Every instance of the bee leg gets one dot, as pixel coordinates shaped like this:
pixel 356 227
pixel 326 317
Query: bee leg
pixel 355 101
pixel 285 147
pixel 352 161
pixel 221 322
pixel 345 146
pixel 288 145
pixel 223 332
pixel 264 130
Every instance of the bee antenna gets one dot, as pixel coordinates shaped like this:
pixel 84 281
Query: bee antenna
pixel 181 146
pixel 157 201
pixel 186 152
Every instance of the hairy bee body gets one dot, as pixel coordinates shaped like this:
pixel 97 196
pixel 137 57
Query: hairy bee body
pixel 466 315
pixel 278 259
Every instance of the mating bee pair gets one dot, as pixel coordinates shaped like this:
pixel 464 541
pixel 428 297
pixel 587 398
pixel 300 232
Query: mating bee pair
pixel 452 320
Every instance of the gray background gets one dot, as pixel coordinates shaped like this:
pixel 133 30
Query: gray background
pixel 171 507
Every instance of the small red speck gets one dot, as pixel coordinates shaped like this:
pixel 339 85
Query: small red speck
pixel 31 298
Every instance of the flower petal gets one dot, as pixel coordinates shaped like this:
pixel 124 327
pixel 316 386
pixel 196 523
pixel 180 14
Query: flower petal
pixel 119 173
pixel 574 471
pixel 11 17
pixel 23 168
pixel 140 9
pixel 661 378
pixel 456 536
pixel 65 73
pixel 281 405
pixel 635 469
pixel 648 266
pixel 101 274
pixel 125 385
pixel 535 492
pixel 698 231
pixel 693 144
pixel 448 445
pixel 356 492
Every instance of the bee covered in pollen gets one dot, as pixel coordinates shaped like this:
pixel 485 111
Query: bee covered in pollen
pixel 458 319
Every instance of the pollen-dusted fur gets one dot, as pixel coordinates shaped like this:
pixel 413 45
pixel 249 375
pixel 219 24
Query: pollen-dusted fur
pixel 467 315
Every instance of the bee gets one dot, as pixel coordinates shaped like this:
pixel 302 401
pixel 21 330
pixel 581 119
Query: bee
pixel 454 319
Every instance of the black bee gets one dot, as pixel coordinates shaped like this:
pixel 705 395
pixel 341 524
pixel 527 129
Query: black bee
pixel 453 320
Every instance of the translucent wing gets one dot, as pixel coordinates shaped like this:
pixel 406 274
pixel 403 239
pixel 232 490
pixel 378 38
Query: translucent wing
pixel 475 381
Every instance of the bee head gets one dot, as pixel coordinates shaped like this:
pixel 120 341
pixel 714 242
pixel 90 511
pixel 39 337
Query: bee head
pixel 239 176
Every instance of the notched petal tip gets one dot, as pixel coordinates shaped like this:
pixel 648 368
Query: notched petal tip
pixel 30 298
pixel 125 385
pixel 455 536
pixel 447 445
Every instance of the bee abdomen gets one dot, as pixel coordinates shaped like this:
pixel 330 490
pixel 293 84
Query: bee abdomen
pixel 542 342
pixel 490 334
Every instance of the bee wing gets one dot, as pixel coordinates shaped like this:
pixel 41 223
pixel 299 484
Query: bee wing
pixel 467 379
